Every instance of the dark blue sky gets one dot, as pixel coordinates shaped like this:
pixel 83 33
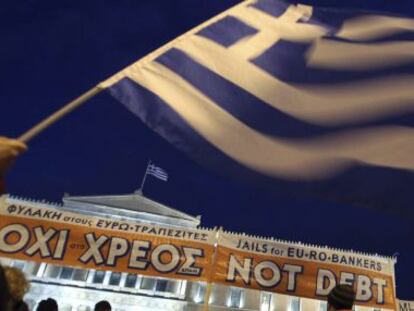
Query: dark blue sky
pixel 52 51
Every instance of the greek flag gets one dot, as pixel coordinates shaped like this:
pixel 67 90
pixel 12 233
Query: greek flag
pixel 295 97
pixel 157 172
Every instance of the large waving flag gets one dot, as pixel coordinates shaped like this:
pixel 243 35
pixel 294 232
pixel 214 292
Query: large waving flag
pixel 291 96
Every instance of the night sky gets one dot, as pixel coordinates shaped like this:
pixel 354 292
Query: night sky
pixel 52 51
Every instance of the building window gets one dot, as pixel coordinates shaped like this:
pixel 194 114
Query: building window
pixel 294 304
pixel 168 286
pixel 130 281
pixel 66 273
pixel 80 275
pixel 161 286
pixel 52 271
pixel 235 297
pixel 148 283
pixel 265 301
pixel 98 277
pixel 32 268
pixel 174 287
pixel 115 278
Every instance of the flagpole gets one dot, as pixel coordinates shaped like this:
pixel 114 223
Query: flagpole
pixel 40 127
pixel 141 189
pixel 56 116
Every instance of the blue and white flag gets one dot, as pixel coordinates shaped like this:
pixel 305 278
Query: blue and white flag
pixel 291 96
pixel 157 172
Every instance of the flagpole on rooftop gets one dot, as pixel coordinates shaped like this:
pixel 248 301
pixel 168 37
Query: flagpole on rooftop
pixel 56 116
pixel 141 188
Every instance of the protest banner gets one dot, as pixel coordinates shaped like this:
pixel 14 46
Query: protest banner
pixel 45 233
pixel 304 271
pixel 41 234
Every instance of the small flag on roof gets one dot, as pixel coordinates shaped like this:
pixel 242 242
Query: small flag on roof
pixel 157 172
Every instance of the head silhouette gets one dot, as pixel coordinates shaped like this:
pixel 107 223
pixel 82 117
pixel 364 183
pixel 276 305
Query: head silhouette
pixel 103 306
pixel 47 305
pixel 341 297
